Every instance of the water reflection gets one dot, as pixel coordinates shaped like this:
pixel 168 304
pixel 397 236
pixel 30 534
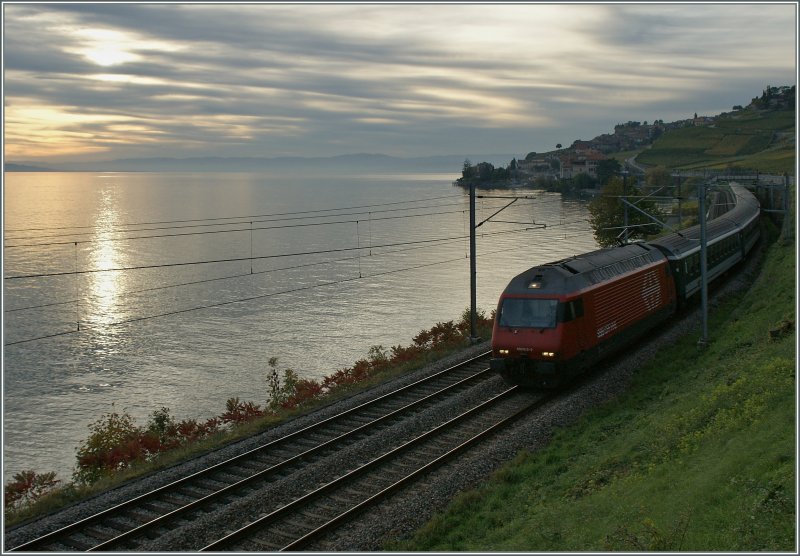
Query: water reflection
pixel 104 288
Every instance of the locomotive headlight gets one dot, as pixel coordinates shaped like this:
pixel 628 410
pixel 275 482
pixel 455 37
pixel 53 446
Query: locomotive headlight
pixel 548 354
pixel 502 351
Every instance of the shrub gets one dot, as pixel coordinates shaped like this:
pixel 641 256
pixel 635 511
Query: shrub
pixel 237 412
pixel 105 451
pixel 162 424
pixel 116 442
pixel 290 392
pixel 304 390
pixel 27 487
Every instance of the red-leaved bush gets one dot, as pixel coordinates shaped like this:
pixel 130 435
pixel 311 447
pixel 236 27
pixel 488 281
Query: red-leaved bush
pixel 27 487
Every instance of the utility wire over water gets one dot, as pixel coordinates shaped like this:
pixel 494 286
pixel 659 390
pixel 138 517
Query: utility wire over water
pixel 98 314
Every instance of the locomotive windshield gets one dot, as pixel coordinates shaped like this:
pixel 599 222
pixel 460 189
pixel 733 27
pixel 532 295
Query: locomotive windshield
pixel 528 313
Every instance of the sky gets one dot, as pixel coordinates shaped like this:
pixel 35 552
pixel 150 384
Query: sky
pixel 100 81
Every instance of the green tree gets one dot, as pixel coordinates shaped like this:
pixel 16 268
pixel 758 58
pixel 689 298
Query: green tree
pixel 607 214
pixel 582 181
pixel 606 169
pixel 485 171
pixel 468 171
pixel 658 176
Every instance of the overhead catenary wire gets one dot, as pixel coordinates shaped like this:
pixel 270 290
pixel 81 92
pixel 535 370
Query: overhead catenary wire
pixel 229 260
pixel 90 326
pixel 208 232
pixel 185 223
pixel 123 229
pixel 465 237
pixel 250 228
pixel 245 217
pixel 234 276
pixel 229 302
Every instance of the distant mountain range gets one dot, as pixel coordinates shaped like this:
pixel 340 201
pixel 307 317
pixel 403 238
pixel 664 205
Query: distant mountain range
pixel 11 167
pixel 352 162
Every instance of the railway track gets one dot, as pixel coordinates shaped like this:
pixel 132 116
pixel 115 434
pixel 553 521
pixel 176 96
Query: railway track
pixel 292 526
pixel 150 515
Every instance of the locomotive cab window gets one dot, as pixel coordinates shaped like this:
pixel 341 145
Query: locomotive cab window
pixel 528 313
pixel 570 310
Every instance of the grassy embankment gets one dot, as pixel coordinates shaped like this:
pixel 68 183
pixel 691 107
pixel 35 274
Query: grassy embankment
pixel 749 139
pixel 698 455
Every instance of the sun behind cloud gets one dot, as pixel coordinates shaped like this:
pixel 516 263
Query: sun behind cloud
pixel 105 47
pixel 111 47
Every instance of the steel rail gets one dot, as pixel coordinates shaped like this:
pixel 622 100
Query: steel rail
pixel 343 480
pixel 265 473
pixel 410 478
pixel 53 536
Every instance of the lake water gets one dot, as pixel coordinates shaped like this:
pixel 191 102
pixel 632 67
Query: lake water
pixel 311 270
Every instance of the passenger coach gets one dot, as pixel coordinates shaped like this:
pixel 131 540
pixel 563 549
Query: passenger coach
pixel 729 238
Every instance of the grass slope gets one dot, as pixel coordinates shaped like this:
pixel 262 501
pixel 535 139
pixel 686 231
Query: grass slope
pixel 751 139
pixel 699 454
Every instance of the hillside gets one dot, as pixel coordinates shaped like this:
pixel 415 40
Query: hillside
pixel 750 139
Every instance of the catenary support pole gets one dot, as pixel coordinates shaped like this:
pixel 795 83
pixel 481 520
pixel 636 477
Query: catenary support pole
pixel 625 214
pixel 701 202
pixel 473 275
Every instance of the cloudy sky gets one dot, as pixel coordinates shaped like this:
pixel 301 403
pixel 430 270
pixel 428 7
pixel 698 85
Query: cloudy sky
pixel 103 81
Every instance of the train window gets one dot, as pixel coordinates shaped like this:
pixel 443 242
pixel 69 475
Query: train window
pixel 571 310
pixel 528 313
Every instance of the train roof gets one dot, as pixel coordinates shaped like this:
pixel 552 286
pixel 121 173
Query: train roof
pixel 581 271
pixel 687 241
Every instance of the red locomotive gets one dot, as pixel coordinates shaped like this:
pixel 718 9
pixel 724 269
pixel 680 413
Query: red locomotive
pixel 555 320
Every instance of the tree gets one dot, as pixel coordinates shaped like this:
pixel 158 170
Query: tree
pixel 658 176
pixel 468 170
pixel 558 145
pixel 607 214
pixel 606 169
pixel 530 156
pixel 582 181
pixel 485 171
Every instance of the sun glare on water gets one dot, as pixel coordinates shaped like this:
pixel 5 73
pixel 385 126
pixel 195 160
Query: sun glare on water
pixel 105 287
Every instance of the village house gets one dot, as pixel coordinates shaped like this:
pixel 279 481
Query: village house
pixel 580 161
pixel 539 166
